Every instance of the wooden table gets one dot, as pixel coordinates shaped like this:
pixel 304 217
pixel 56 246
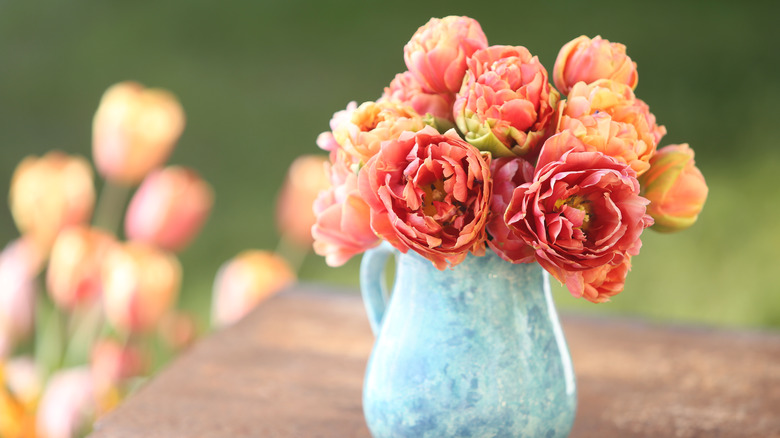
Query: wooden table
pixel 294 368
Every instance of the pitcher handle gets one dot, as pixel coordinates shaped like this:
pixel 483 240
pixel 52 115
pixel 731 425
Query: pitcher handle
pixel 372 284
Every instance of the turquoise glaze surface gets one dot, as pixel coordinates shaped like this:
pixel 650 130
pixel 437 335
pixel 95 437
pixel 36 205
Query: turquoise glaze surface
pixel 474 351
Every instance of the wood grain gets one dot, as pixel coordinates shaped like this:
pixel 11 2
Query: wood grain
pixel 294 368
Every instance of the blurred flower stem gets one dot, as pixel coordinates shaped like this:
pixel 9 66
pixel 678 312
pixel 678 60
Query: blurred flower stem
pixel 49 335
pixel 294 253
pixel 111 206
pixel 85 326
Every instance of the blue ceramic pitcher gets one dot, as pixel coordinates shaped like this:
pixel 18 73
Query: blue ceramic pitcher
pixel 472 351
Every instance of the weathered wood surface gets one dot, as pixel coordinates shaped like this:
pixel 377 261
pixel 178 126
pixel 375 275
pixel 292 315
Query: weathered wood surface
pixel 294 368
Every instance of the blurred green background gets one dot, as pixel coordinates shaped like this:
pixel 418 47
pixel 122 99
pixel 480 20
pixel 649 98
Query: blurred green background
pixel 259 80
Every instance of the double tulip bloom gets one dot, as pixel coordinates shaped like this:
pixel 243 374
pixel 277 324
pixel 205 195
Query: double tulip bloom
pixel 567 181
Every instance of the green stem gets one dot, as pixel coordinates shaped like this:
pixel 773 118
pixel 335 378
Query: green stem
pixel 111 207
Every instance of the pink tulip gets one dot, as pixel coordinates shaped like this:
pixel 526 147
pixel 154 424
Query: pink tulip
pixel 436 55
pixel 23 380
pixel 507 173
pixel 245 281
pixel 306 178
pixel 430 193
pixel 19 265
pixel 111 363
pixel 73 275
pixel 582 211
pixel 343 226
pixel 50 193
pixel 169 208
pixel 675 187
pixel 326 141
pixel 586 60
pixel 506 105
pixel 134 131
pixel 178 330
pixel 372 123
pixel 68 404
pixel 140 284
pixel 405 89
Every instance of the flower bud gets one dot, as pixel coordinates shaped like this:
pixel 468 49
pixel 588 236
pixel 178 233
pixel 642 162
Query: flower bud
pixel 134 131
pixel 246 280
pixel 304 181
pixel 140 283
pixel 675 187
pixel 50 193
pixel 169 208
pixel 19 264
pixel 73 275
pixel 586 60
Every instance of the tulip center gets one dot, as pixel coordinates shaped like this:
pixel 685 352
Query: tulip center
pixel 582 216
pixel 433 192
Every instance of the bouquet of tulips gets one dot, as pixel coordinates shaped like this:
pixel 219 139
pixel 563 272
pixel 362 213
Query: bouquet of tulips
pixel 473 149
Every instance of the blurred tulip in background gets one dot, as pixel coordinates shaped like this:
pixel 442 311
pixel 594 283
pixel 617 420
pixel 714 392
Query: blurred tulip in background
pixel 246 280
pixel 73 275
pixel 169 208
pixel 19 264
pixel 112 362
pixel 305 179
pixel 68 404
pixel 134 131
pixel 140 284
pixel 49 193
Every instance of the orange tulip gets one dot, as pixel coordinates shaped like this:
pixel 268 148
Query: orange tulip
pixel 50 193
pixel 294 215
pixel 73 276
pixel 675 187
pixel 134 131
pixel 246 280
pixel 140 283
pixel 169 208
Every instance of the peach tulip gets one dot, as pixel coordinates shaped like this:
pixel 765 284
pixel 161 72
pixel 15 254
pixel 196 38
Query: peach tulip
pixel 675 187
pixel 588 60
pixel 305 179
pixel 134 131
pixel 506 105
pixel 169 208
pixel 436 55
pixel 73 275
pixel 140 284
pixel 245 281
pixel 50 193
pixel 19 264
